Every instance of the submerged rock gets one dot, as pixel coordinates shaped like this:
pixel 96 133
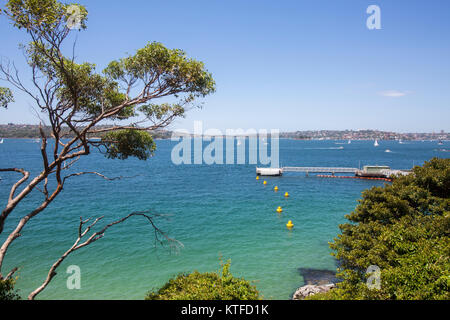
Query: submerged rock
pixel 310 290
pixel 316 281
pixel 317 277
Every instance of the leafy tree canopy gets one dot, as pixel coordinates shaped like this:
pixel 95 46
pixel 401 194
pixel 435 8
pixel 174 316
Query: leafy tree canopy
pixel 403 229
pixel 7 291
pixel 6 97
pixel 43 16
pixel 126 143
pixel 206 286
pixel 77 95
pixel 121 105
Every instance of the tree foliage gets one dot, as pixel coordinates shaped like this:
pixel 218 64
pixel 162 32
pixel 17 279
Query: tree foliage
pixel 206 286
pixel 7 291
pixel 76 95
pixel 123 104
pixel 6 97
pixel 129 143
pixel 42 16
pixel 403 229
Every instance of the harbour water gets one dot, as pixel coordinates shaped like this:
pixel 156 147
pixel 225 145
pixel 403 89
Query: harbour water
pixel 215 211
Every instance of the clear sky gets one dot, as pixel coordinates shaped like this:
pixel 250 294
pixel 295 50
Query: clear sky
pixel 288 65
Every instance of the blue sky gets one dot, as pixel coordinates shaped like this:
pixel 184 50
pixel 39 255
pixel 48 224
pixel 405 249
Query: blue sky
pixel 288 65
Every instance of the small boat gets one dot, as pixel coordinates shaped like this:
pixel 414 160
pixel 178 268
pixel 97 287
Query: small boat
pixel 388 151
pixel 349 141
pixel 376 144
pixel 400 141
pixel 440 143
pixel 1 140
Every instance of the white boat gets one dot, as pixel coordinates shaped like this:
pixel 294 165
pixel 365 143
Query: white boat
pixel 388 151
pixel 400 141
pixel 349 141
pixel 269 171
pixel 376 144
pixel 1 140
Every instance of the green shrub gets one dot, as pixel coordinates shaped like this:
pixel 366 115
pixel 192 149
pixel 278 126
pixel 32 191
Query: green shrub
pixel 206 286
pixel 403 229
pixel 7 291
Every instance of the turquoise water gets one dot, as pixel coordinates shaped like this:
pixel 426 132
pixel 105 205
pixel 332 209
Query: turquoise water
pixel 213 210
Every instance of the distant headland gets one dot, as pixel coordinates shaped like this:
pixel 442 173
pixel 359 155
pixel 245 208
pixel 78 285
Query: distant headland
pixel 27 131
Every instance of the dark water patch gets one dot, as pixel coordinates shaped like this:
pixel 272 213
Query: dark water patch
pixel 317 277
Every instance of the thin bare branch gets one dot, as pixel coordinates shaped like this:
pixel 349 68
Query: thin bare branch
pixel 93 238
pixel 92 172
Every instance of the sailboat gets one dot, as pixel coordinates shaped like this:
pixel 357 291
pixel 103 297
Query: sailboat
pixel 349 141
pixel 1 140
pixel 376 143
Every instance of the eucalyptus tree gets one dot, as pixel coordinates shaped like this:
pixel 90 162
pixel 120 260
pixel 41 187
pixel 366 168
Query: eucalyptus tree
pixel 138 93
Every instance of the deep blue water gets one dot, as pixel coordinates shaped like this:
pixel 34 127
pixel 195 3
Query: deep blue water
pixel 215 211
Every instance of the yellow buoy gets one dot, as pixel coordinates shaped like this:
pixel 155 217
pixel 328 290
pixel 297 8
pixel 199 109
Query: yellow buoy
pixel 257 177
pixel 280 210
pixel 290 225
pixel 265 182
pixel 275 189
pixel 286 194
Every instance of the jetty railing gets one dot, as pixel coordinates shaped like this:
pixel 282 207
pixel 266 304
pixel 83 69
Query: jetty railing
pixel 320 169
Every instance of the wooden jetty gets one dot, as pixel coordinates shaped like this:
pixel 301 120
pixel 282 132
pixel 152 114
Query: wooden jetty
pixel 367 171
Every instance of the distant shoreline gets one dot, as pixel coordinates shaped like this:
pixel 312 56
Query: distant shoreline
pixel 162 139
pixel 24 131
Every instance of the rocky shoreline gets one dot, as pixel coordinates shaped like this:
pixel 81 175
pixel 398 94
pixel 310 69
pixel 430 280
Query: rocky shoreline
pixel 310 290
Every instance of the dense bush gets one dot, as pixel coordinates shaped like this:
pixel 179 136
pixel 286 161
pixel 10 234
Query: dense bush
pixel 206 286
pixel 7 291
pixel 403 229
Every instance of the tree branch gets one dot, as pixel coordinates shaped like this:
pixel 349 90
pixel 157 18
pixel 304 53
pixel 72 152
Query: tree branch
pixel 93 238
